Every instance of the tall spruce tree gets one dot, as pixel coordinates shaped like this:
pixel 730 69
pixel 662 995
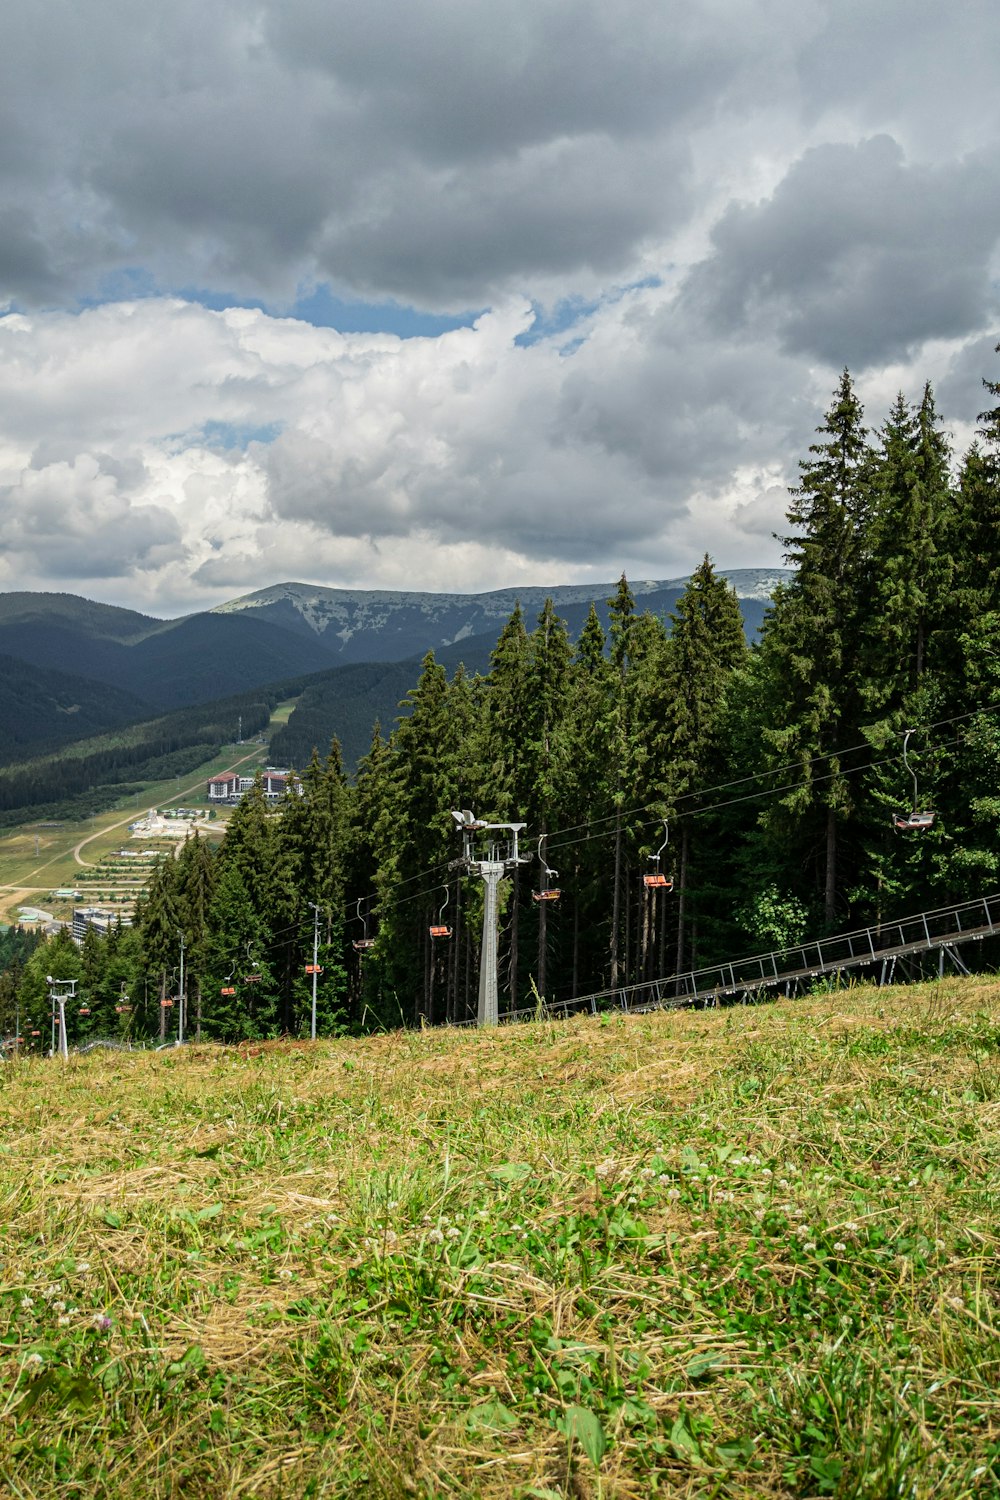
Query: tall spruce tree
pixel 811 639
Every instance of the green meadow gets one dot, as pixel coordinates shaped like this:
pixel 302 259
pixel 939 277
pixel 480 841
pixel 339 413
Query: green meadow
pixel 737 1253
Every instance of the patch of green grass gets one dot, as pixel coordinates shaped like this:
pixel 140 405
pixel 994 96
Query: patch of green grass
pixel 732 1254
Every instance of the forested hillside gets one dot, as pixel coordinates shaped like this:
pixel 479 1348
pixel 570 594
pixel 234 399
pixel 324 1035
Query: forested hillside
pixel 771 773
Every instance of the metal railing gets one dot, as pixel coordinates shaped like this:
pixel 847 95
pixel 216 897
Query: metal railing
pixel 789 968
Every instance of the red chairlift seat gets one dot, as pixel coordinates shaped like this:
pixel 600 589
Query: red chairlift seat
pixel 361 945
pixel 314 968
pixel 36 1033
pixel 658 882
pixel 121 1009
pixel 440 932
pixel 84 1010
pixel 913 820
pixel 252 978
pixel 228 989
pixel 552 895
pixel 166 1004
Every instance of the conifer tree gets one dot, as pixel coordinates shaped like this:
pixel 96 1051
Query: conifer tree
pixel 706 646
pixel 811 635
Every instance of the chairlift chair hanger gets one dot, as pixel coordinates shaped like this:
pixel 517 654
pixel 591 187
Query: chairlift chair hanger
pixel 362 945
pixel 655 880
pixel 917 819
pixel 255 976
pixel 547 892
pixel 440 929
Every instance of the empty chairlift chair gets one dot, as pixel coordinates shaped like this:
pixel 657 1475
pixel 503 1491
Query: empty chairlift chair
pixel 440 929
pixel 655 880
pixel 918 818
pixel 362 944
pixel 547 892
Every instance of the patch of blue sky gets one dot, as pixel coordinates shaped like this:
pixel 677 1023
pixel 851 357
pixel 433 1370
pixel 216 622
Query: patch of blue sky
pixel 230 436
pixel 569 312
pixel 319 306
pixel 325 310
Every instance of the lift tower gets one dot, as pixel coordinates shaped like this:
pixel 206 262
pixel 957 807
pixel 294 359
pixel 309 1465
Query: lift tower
pixel 501 855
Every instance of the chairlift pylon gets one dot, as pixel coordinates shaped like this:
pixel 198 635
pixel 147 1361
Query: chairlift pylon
pixel 918 818
pixel 655 880
pixel 547 892
pixel 440 929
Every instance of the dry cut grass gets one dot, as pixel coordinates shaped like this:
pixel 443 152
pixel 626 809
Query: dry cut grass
pixel 739 1253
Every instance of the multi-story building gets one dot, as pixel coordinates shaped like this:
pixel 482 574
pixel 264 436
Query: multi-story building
pixel 230 787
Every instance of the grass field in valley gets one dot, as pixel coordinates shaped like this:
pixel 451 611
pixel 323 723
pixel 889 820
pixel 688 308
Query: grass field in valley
pixel 737 1253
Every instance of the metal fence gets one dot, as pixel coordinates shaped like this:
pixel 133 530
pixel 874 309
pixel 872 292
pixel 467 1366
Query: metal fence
pixel 789 968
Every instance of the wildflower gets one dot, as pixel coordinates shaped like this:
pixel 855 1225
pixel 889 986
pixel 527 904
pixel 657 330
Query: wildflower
pixel 674 1194
pixel 63 1321
pixel 646 1174
pixel 767 1172
pixel 82 1267
pixel 664 1179
pixel 58 1307
pixel 840 1247
pixel 101 1322
pixel 284 1274
pixel 32 1361
pixel 435 1237
pixel 956 1302
pixel 27 1302
pixel 453 1233
pixel 809 1245
pixel 605 1168
pixel 51 1291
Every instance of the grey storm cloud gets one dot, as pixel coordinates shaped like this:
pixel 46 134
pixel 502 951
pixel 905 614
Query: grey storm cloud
pixel 858 257
pixel 438 151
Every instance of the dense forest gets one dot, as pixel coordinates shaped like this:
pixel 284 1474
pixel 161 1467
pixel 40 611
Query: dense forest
pixel 767 774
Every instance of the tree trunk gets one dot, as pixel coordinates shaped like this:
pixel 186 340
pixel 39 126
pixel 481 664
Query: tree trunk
pixel 682 901
pixel 576 929
pixel 616 901
pixel 512 986
pixel 543 907
pixel 830 891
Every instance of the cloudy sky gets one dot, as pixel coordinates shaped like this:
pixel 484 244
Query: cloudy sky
pixel 456 294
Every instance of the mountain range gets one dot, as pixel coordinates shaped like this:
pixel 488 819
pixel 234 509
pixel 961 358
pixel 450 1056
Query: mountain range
pixel 71 667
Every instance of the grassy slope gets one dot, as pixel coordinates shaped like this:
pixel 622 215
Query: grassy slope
pixel 749 1253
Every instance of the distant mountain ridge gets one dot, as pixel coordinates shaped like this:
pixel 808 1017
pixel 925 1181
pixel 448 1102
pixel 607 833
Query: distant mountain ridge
pixel 390 625
pixel 118 666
